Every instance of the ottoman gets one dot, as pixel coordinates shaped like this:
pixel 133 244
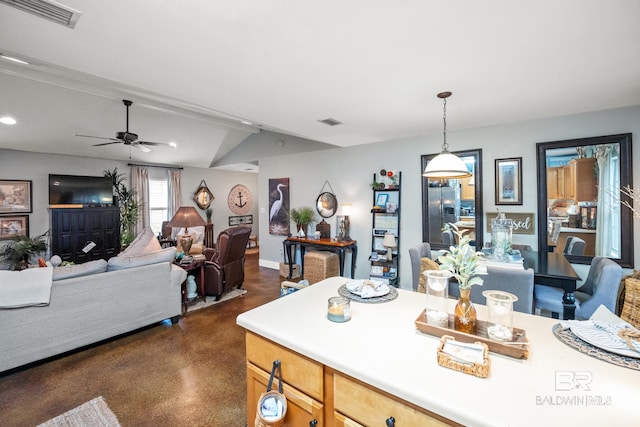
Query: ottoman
pixel 319 265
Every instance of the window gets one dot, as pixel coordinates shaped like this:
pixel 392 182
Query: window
pixel 158 203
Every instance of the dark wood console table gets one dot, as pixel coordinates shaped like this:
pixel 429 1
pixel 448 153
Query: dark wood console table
pixel 553 269
pixel 321 244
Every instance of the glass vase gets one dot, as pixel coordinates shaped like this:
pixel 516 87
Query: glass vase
pixel 437 297
pixel 465 317
pixel 501 231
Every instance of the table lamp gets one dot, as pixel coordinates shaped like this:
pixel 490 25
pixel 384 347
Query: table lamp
pixel 389 242
pixel 186 217
pixel 346 211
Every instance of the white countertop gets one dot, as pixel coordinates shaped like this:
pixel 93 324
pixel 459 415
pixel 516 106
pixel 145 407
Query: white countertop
pixel 381 346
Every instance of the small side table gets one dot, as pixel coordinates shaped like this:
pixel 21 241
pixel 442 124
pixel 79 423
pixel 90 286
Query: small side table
pixel 191 267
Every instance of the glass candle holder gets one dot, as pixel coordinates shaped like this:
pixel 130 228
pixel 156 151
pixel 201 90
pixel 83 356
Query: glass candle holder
pixel 500 314
pixel 338 309
pixel 501 234
pixel 437 296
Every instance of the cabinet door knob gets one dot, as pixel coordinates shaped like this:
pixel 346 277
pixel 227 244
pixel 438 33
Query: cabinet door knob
pixel 313 423
pixel 391 422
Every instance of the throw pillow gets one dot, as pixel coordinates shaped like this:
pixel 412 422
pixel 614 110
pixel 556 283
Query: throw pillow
pixel 75 270
pixel 425 264
pixel 124 262
pixel 146 242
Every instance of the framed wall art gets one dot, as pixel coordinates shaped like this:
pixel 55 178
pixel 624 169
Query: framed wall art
pixel 15 196
pixel 14 226
pixel 509 181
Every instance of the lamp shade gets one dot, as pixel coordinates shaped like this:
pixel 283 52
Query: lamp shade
pixel 389 240
pixel 446 165
pixel 187 216
pixel 346 209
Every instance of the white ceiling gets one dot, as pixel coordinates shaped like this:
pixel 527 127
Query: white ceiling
pixel 194 69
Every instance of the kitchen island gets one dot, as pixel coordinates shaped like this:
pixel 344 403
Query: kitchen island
pixel 378 366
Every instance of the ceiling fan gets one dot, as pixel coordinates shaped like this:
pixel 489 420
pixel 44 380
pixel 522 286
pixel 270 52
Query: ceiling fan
pixel 126 137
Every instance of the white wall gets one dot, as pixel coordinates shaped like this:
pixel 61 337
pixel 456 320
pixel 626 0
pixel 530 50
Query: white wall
pixel 350 170
pixel 36 167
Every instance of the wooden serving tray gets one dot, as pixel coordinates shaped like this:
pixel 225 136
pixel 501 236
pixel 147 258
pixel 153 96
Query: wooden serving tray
pixel 517 348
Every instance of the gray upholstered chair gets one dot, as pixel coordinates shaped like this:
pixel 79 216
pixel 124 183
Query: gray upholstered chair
pixel 601 287
pixel 521 247
pixel 421 250
pixel 574 246
pixel 448 238
pixel 517 282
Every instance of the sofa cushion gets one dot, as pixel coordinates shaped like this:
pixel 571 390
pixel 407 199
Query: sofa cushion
pixel 124 262
pixel 144 243
pixel 75 270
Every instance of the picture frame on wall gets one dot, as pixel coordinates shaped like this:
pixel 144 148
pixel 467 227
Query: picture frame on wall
pixel 381 200
pixel 13 226
pixel 15 196
pixel 509 181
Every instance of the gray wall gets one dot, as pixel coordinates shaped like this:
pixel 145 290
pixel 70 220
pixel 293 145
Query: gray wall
pixel 36 167
pixel 350 170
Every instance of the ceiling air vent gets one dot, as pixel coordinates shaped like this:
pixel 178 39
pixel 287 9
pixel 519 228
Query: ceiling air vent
pixel 49 9
pixel 330 122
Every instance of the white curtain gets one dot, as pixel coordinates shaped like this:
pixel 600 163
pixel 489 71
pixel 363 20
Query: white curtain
pixel 608 214
pixel 175 194
pixel 140 186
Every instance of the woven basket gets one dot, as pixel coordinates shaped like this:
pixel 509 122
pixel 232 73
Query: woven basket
pixel 260 420
pixel 318 265
pixel 631 307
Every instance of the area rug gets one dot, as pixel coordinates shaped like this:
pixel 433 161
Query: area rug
pixel 92 413
pixel 198 304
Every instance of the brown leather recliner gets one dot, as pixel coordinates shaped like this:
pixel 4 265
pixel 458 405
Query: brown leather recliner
pixel 224 266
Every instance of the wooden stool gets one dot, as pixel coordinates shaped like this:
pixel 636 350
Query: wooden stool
pixel 319 265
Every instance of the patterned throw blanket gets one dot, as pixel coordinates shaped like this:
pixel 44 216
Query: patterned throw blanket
pixel 31 286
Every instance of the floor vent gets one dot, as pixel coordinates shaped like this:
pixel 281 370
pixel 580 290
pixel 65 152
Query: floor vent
pixel 49 9
pixel 330 122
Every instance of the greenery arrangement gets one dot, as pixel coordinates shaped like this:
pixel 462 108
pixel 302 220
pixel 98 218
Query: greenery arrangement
pixel 462 261
pixel 18 250
pixel 129 205
pixel 302 216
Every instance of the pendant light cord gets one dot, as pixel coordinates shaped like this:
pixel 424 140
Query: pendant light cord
pixel 445 146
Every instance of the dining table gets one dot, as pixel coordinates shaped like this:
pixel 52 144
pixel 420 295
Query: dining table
pixel 553 269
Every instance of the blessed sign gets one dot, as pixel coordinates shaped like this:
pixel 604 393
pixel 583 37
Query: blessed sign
pixel 523 223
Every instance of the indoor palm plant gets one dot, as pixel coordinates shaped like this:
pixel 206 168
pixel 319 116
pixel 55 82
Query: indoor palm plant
pixel 462 261
pixel 129 205
pixel 302 216
pixel 18 250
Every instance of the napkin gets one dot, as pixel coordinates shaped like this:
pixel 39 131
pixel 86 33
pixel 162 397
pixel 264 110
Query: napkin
pixel 367 288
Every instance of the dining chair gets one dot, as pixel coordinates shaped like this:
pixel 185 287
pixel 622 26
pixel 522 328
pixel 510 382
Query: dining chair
pixel 515 281
pixel 448 238
pixel 416 252
pixel 574 246
pixel 602 287
pixel 521 247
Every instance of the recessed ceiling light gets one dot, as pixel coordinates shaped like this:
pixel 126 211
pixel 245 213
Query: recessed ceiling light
pixel 11 58
pixel 173 144
pixel 246 122
pixel 8 120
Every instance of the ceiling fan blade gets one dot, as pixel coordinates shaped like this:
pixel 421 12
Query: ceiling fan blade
pixel 97 137
pixel 152 143
pixel 142 148
pixel 107 143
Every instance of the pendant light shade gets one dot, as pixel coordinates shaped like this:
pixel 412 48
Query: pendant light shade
pixel 446 165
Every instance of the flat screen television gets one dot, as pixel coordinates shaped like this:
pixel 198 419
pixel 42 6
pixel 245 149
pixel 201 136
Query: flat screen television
pixel 80 190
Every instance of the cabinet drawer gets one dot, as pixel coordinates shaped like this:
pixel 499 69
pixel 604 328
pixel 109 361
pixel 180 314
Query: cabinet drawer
pixel 302 372
pixel 302 410
pixel 370 407
pixel 342 421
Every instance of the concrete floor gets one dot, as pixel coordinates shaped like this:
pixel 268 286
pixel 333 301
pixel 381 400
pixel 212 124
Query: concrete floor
pixel 188 374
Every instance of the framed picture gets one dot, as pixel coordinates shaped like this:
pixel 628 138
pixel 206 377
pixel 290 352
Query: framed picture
pixel 509 181
pixel 15 196
pixel 381 200
pixel 14 226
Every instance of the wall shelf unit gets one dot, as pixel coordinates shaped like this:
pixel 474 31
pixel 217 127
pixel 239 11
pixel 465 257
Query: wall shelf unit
pixel 385 219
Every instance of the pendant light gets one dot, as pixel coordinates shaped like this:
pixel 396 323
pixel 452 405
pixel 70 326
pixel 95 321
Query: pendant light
pixel 446 165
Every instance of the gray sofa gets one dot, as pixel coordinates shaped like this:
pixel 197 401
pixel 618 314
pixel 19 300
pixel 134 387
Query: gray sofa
pixel 90 308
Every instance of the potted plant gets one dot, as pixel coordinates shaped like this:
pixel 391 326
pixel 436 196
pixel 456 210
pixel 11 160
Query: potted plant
pixel 302 216
pixel 208 212
pixel 19 249
pixel 129 205
pixel 462 261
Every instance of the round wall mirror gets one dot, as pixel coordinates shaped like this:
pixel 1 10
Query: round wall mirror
pixel 327 204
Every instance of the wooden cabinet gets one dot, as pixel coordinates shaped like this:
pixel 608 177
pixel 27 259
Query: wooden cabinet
pixel 582 180
pixel 318 395
pixel 467 191
pixel 73 228
pixel 556 182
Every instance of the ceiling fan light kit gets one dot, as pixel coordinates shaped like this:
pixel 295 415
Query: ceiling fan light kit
pixel 128 138
pixel 446 164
